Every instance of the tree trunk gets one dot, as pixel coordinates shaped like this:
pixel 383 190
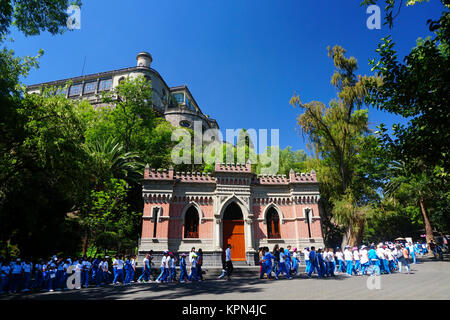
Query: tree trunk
pixel 428 227
pixel 346 238
pixel 84 243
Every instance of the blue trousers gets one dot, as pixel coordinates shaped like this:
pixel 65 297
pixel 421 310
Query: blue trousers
pixel 85 278
pixel 266 269
pixel 364 267
pixel 312 268
pixel 331 267
pixel 342 266
pixel 376 266
pixel 118 275
pixel 356 267
pixel 349 266
pixel 413 255
pixel 128 275
pixel 386 266
pixel 4 284
pixel 15 282
pixel 26 280
pixel 295 263
pixel 283 268
pixel 163 275
pixel 183 273
pixel 308 266
pixel 172 274
pixel 194 273
pixel 145 275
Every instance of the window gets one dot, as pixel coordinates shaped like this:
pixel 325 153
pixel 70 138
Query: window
pixel 61 91
pixel 191 223
pixel 105 84
pixel 155 220
pixel 179 97
pixel 185 124
pixel 190 105
pixel 308 220
pixel 89 87
pixel 75 90
pixel 273 224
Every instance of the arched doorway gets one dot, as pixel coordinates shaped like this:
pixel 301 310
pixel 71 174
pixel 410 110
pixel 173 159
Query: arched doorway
pixel 233 231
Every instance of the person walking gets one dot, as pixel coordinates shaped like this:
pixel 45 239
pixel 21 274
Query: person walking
pixel 228 262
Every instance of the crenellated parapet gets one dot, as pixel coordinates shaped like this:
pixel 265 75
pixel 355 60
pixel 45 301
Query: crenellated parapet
pixel 235 168
pixel 196 177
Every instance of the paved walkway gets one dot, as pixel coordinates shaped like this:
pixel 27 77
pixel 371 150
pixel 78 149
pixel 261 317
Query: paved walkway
pixel 428 280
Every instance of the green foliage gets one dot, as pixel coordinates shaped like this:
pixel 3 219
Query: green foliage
pixel 348 170
pixel 107 215
pixel 34 17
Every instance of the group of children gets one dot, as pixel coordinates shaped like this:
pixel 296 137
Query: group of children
pixel 54 274
pixel 376 259
pixel 168 272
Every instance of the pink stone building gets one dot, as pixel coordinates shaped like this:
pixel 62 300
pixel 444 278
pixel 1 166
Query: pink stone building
pixel 232 205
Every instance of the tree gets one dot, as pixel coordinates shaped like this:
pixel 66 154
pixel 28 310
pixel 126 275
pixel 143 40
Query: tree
pixel 34 17
pixel 43 169
pixel 109 159
pixel 107 216
pixel 418 89
pixel 339 131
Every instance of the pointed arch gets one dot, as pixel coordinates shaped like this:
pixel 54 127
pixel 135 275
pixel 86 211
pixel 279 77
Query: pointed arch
pixel 239 202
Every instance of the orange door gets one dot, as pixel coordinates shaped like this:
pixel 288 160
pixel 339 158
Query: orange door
pixel 233 233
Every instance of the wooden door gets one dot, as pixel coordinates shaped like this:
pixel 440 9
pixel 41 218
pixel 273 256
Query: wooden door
pixel 233 233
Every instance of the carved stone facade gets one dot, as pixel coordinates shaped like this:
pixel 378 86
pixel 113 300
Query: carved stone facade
pixel 168 195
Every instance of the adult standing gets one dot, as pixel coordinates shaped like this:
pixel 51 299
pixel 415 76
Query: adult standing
pixel 228 262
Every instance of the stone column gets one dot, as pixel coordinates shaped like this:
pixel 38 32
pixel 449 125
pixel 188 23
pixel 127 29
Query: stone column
pixel 217 234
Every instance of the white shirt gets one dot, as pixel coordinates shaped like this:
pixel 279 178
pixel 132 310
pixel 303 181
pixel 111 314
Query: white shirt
pixel 330 256
pixel 167 262
pixel 163 261
pixel 380 253
pixel 119 264
pixel 389 254
pixel 356 255
pixel 364 256
pixel 340 256
pixel 78 267
pixel 190 256
pixel 348 255
pixel 306 254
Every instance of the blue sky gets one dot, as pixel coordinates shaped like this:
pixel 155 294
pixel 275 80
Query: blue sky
pixel 241 59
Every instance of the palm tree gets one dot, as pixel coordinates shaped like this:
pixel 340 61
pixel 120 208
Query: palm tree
pixel 418 185
pixel 110 158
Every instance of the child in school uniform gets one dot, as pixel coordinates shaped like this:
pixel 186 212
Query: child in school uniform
pixel 172 267
pixel 27 269
pixel 348 256
pixel 164 267
pixel 283 267
pixel 340 258
pixel 16 275
pixel 295 261
pixel 194 272
pixel 306 256
pixel 119 270
pixel 133 267
pixel 183 271
pixel 5 272
pixel 145 276
pixel 128 267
